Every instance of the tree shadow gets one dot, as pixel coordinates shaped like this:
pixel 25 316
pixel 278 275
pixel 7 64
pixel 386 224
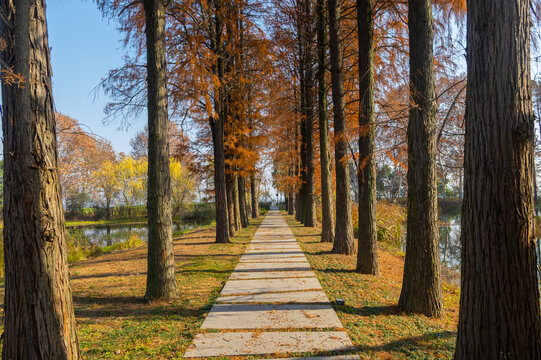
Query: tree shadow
pixel 408 345
pixel 131 306
pixel 381 310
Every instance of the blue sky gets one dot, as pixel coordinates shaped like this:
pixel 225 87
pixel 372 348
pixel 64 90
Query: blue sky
pixel 85 46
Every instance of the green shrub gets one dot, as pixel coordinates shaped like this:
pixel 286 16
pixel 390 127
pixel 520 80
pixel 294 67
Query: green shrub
pixel 391 222
pixel 265 205
pixel 200 214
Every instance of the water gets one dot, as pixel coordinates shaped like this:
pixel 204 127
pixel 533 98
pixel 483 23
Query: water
pixel 106 235
pixel 450 246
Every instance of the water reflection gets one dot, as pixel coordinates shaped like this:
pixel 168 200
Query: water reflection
pixel 450 246
pixel 107 235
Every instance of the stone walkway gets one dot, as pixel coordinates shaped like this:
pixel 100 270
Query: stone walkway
pixel 272 304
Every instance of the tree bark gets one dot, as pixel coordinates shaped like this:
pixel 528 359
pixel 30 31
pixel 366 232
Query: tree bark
pixel 310 205
pixel 327 223
pixel 255 203
pixel 242 200
pixel 291 208
pixel 39 321
pixel 161 281
pixel 344 240
pixel 231 205
pixel 302 145
pixel 217 129
pixel 236 202
pixel 367 251
pixel 499 304
pixel 421 287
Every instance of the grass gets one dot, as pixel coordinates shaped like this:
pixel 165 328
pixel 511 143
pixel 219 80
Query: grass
pixel 371 316
pixel 113 322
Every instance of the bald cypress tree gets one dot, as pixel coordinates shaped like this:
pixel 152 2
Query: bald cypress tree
pixel 38 318
pixel 499 303
pixel 421 287
pixel 344 241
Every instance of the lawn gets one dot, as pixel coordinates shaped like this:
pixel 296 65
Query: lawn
pixel 371 316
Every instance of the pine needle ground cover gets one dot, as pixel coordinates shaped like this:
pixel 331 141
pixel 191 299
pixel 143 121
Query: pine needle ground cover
pixel 371 316
pixel 113 322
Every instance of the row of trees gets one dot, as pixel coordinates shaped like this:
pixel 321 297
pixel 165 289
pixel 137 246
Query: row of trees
pixel 422 131
pixel 241 85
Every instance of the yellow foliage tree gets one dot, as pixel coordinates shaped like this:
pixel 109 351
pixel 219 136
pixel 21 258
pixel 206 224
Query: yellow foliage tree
pixel 106 181
pixel 182 186
pixel 132 180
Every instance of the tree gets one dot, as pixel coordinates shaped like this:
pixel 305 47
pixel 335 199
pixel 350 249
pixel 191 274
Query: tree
pixel 254 197
pixel 327 223
pixel 182 186
pixel 499 304
pixel 106 180
pixel 161 280
pixel 367 252
pixel 344 241
pixel 131 177
pixel 39 321
pixel 421 287
pixel 80 153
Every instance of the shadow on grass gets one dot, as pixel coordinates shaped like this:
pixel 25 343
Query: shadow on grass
pixel 370 310
pixel 132 306
pixel 413 345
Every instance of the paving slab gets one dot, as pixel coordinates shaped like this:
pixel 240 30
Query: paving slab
pixel 241 287
pixel 241 275
pixel 286 297
pixel 278 256
pixel 273 266
pixel 273 260
pixel 274 254
pixel 273 250
pixel 336 357
pixel 260 343
pixel 267 316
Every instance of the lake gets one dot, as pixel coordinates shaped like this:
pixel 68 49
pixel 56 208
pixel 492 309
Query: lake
pixel 110 234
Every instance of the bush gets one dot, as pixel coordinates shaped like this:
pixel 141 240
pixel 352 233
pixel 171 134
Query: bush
pixel 391 222
pixel 200 214
pixel 450 206
pixel 265 205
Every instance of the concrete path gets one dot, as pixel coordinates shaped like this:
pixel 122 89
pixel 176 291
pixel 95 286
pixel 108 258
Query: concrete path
pixel 272 304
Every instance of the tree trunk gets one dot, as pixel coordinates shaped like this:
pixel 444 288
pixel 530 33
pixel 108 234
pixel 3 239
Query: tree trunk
pixel 291 207
pixel 39 321
pixel 310 204
pixel 344 240
pixel 108 209
pixel 236 202
pixel 421 287
pixel 242 201
pixel 231 205
pixel 367 251
pixel 220 186
pixel 499 304
pixel 327 223
pixel 255 204
pixel 161 281
pixel 217 128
